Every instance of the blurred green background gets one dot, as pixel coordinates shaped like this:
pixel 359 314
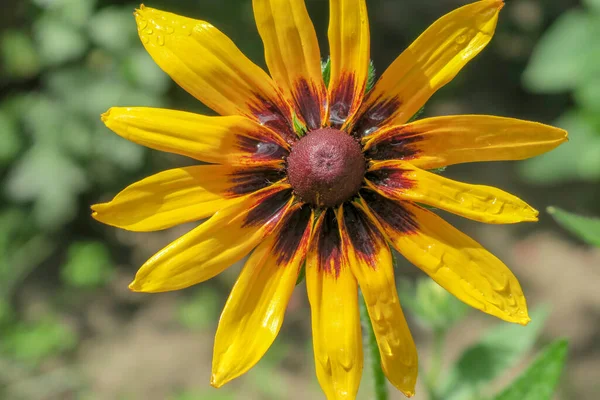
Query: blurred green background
pixel 69 327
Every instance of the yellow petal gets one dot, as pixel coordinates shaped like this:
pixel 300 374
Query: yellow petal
pixel 441 141
pixel 181 195
pixel 230 140
pixel 451 258
pixel 255 309
pixel 333 297
pixel 370 259
pixel 349 45
pixel 210 248
pixel 293 56
pixel 208 65
pixel 399 180
pixel 429 63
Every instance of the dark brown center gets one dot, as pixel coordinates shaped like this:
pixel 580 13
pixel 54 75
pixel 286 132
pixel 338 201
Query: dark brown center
pixel 326 167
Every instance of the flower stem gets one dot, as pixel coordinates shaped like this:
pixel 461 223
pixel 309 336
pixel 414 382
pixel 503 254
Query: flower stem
pixel 370 343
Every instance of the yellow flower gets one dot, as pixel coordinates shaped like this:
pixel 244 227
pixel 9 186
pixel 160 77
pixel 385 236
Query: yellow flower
pixel 334 198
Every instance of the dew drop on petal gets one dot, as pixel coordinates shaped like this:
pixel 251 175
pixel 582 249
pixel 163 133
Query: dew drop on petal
pixel 266 149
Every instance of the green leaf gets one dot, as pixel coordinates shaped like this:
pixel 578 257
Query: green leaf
pixel 588 95
pixel 58 42
pixel 500 349
pixel 559 61
pixel 586 228
pixel 432 304
pixel 577 159
pixel 19 56
pixel 113 29
pixel 200 311
pixel 126 155
pixel 141 71
pixel 51 180
pixel 540 379
pixel 88 265
pixel 33 342
pixel 593 4
pixel 10 141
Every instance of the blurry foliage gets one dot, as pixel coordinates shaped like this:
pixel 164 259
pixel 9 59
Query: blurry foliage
pixel 88 265
pixel 212 394
pixel 431 304
pixel 58 72
pixel 567 59
pixel 586 228
pixel 201 311
pixel 540 379
pixel 492 356
pixel 70 60
pixel 33 342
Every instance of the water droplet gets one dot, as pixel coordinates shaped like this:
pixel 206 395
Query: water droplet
pixel 142 23
pixel 169 29
pixel 338 113
pixel 160 40
pixel 148 31
pixel 266 149
pixel 145 39
pixel 370 131
pixel 461 39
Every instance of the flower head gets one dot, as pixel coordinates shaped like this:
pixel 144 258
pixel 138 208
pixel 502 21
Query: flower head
pixel 333 194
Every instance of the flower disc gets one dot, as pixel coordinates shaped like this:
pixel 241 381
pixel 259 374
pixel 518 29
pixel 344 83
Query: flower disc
pixel 326 167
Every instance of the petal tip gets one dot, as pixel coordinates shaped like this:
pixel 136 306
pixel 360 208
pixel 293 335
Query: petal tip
pixel 105 116
pixel 216 381
pixel 135 287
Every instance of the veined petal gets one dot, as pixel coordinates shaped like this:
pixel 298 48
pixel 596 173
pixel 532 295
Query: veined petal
pixel 369 257
pixel 293 56
pixel 399 180
pixel 181 195
pixel 231 140
pixel 333 297
pixel 255 309
pixel 208 65
pixel 349 46
pixel 441 141
pixel 216 244
pixel 429 63
pixel 452 259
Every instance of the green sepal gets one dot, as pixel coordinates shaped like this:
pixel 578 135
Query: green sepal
pixel 299 127
pixel 326 70
pixel 302 274
pixel 437 170
pixel 417 115
pixel 371 78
